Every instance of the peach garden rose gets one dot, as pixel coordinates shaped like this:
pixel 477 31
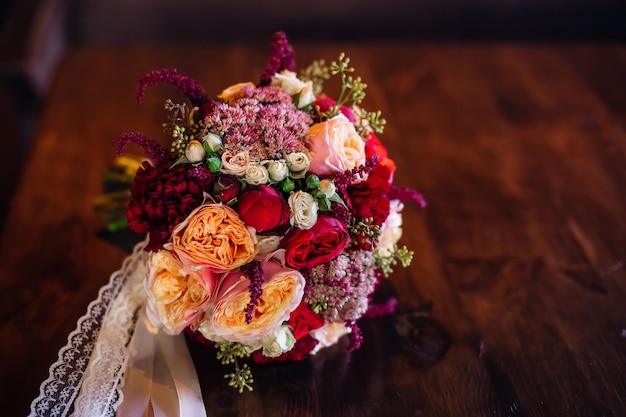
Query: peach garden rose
pixel 213 236
pixel 283 290
pixel 176 297
pixel 235 91
pixel 335 146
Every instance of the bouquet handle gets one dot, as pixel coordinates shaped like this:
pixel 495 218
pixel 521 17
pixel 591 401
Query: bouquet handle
pixel 160 378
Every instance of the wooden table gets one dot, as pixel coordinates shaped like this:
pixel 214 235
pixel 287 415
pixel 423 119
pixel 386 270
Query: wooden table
pixel 521 252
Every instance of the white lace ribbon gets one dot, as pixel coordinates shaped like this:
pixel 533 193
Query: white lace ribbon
pixel 113 362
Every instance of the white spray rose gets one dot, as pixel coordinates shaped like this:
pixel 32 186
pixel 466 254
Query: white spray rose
pixel 298 164
pixel 278 342
pixel 277 169
pixel 257 174
pixel 306 95
pixel 268 244
pixel 292 85
pixel 303 210
pixel 235 164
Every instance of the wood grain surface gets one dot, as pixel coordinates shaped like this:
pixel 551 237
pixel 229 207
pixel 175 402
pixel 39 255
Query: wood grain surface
pixel 520 255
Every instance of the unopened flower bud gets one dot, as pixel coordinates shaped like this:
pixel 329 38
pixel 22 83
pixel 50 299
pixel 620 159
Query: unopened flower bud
pixel 312 181
pixel 214 163
pixel 288 185
pixel 195 152
pixel 327 187
pixel 213 143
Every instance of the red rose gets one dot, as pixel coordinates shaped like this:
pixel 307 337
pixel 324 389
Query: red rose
pixel 301 350
pixel 302 320
pixel 325 103
pixel 320 244
pixel 226 188
pixel 370 198
pixel 373 146
pixel 263 208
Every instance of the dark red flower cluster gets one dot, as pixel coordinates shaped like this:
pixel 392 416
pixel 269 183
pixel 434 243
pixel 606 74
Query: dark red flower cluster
pixel 161 197
pixel 370 198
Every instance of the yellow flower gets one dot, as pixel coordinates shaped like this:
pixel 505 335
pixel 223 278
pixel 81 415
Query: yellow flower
pixel 213 236
pixel 176 297
pixel 235 91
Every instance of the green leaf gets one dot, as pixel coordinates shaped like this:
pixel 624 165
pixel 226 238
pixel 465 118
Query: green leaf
pixel 335 198
pixel 182 160
pixel 118 225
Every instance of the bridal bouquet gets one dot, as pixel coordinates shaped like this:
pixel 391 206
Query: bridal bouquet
pixel 272 218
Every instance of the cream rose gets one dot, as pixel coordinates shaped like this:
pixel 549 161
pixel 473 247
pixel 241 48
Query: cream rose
pixel 292 85
pixel 235 164
pixel 176 296
pixel 278 342
pixel 335 146
pixel 277 169
pixel 256 174
pixel 213 236
pixel 391 230
pixel 225 319
pixel 268 244
pixel 235 91
pixel 194 152
pixel 298 164
pixel 303 210
pixel 306 95
pixel 328 335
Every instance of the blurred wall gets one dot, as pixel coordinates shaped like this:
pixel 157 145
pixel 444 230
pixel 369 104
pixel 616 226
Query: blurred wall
pixel 35 33
pixel 122 21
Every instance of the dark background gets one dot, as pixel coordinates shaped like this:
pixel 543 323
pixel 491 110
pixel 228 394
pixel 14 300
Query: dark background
pixel 34 34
